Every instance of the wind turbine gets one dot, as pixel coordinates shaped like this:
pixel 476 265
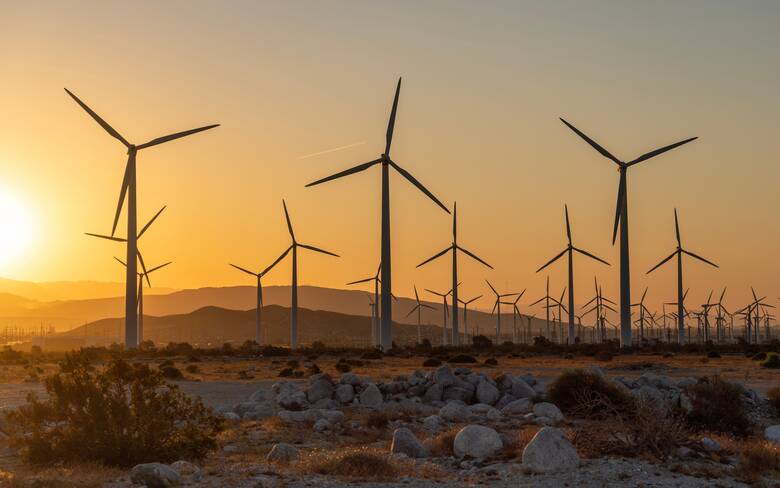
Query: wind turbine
pixel 141 277
pixel 454 247
pixel 386 162
pixel 444 324
pixel 374 316
pixel 569 251
pixel 259 309
pixel 418 308
pixel 621 217
pixel 515 314
pixel 465 314
pixel 546 298
pixel 680 298
pixel 642 310
pixel 705 312
pixel 129 189
pixel 294 298
pixel 497 309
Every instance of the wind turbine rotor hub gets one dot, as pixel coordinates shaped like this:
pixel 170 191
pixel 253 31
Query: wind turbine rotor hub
pixel 132 149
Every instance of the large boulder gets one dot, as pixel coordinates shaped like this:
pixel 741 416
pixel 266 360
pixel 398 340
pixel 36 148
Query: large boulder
pixel 454 412
pixel 458 393
pixel 321 387
pixel 487 393
pixel 371 396
pixel 433 393
pixel 517 407
pixel 292 399
pixel 477 441
pixel 443 376
pixel 772 434
pixel 521 389
pixel 550 451
pixel 351 379
pixel 405 442
pixel 282 453
pixel 154 475
pixel 549 411
pixel 345 393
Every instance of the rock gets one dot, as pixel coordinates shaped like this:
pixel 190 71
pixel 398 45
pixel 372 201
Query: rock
pixel 257 411
pixel 332 416
pixel 264 481
pixel 351 379
pixel 457 393
pixel 185 468
pixel 371 396
pixel 685 403
pixel 521 389
pixel 517 407
pixel 297 416
pixel 326 404
pixel 487 393
pixel 710 445
pixel 443 376
pixel 345 393
pixel 405 442
pixel 477 441
pixel 259 396
pixel 772 434
pixel 684 452
pixel 454 412
pixel 321 387
pixel 433 393
pixel 432 423
pixel 493 414
pixel 154 475
pixel 282 453
pixel 231 417
pixel 321 425
pixel 548 410
pixel 292 399
pixel 550 451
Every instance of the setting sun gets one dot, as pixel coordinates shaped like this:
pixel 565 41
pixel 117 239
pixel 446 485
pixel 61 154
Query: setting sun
pixel 16 222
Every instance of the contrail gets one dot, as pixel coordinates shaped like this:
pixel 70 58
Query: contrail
pixel 332 150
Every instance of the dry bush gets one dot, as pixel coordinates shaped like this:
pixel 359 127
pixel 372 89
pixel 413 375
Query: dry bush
pixel 357 463
pixel 121 415
pixel 718 406
pixel 647 431
pixel 756 458
pixel 772 361
pixel 75 476
pixel 523 437
pixel 581 393
pixel 774 398
pixel 377 420
pixel 442 444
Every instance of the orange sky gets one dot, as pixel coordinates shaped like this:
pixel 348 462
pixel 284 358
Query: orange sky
pixel 484 86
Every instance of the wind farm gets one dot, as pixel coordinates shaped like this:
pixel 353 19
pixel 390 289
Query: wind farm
pixel 418 313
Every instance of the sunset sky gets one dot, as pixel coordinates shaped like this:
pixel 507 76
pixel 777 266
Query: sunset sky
pixel 483 87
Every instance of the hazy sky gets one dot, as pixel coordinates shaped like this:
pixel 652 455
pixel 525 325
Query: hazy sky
pixel 484 85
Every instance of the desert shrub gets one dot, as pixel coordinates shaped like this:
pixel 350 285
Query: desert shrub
pixel 272 351
pixel 192 369
pixel 713 354
pixel 772 361
pixel 463 358
pixel 491 361
pixel 377 420
pixel 121 415
pixel 604 356
pixel 293 363
pixel 759 356
pixel 442 445
pixel 313 369
pixel 432 363
pixel 318 346
pixel 286 373
pixel 757 458
pixel 481 342
pixel 371 355
pixel 718 406
pixel 358 463
pixel 582 393
pixel 343 367
pixel 774 398
pixel 354 362
pixel 171 373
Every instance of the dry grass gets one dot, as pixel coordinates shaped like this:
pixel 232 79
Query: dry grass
pixel 355 463
pixel 757 457
pixel 774 398
pixel 75 476
pixel 524 436
pixel 442 444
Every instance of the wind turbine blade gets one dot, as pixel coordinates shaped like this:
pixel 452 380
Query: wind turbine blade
pixel 361 281
pixel 619 206
pixel 438 254
pixel 436 292
pixel 644 294
pixel 416 183
pixel 151 221
pixel 177 135
pixel 346 172
pixel 593 143
pixel 120 261
pixel 143 267
pixel 662 150
pixel 720 301
pixel 289 224
pixel 677 227
pixel 391 122
pixel 609 308
pixel 568 226
pixel 158 267
pixel 586 253
pixel 699 258
pixel 662 262
pixel 243 269
pixel 266 270
pixel 122 193
pixel 416 296
pixel 413 310
pixel 491 287
pixel 686 293
pixel 317 249
pixel 494 308
pixel 474 299
pixel 110 238
pixel 474 256
pixel 99 120
pixel 427 306
pixel 553 260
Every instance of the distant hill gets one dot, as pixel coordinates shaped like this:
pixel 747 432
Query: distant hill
pixel 48 291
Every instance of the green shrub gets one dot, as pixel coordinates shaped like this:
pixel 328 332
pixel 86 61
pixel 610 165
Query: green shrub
pixel 582 393
pixel 121 415
pixel 718 406
pixel 772 361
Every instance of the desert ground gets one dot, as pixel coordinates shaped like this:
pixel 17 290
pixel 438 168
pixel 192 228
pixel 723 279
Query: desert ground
pixel 247 391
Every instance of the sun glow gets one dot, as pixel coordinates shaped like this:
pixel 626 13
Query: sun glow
pixel 16 227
